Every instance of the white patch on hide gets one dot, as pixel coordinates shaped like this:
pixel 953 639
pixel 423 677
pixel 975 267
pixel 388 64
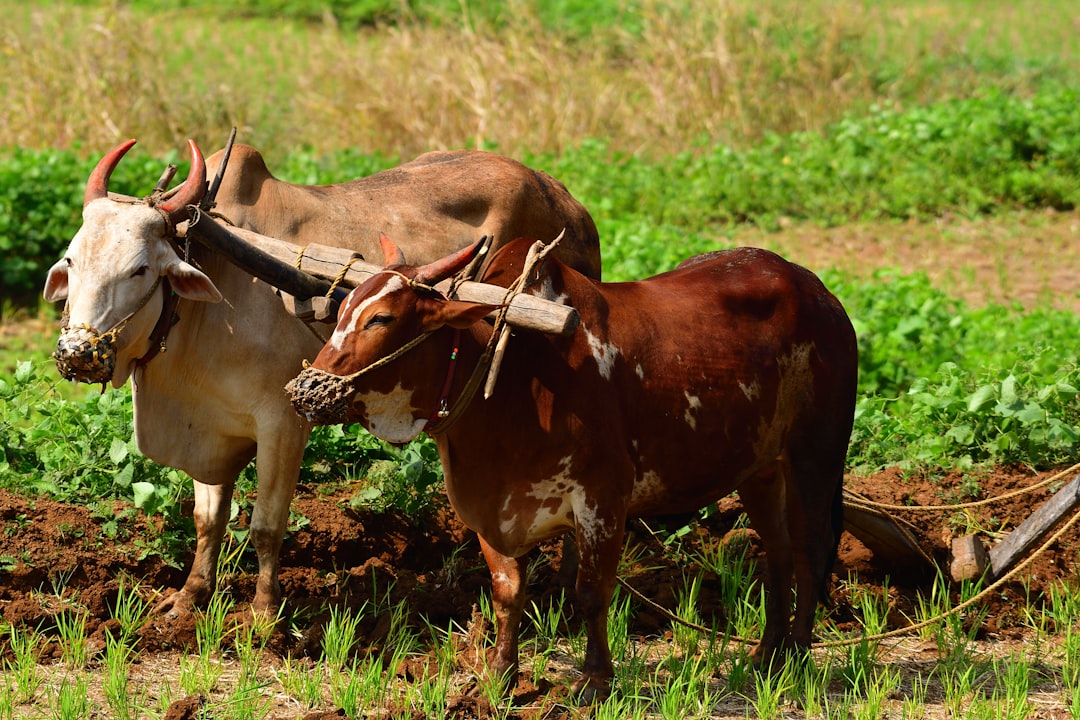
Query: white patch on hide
pixel 546 518
pixel 647 487
pixel 693 405
pixel 794 391
pixel 603 353
pixel 640 371
pixel 343 330
pixel 391 416
pixel 751 391
pixel 546 290
pixel 591 529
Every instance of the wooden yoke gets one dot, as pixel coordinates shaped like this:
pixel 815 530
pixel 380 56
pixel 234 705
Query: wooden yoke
pixel 324 275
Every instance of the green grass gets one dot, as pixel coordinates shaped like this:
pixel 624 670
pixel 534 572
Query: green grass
pixel 655 677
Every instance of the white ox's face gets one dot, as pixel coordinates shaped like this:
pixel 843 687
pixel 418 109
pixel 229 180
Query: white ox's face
pixel 111 266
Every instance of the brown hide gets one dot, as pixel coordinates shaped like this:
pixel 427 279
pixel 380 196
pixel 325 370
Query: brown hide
pixel 736 371
pixel 213 402
pixel 440 201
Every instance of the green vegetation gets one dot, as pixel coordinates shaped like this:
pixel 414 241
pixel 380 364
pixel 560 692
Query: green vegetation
pixel 678 125
pixel 983 156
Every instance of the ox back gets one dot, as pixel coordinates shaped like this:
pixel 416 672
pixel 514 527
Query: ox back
pixel 213 402
pixel 734 372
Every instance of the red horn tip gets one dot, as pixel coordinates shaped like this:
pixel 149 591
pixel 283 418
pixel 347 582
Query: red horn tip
pixel 98 184
pixel 193 189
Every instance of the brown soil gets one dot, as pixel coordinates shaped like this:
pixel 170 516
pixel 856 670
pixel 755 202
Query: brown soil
pixel 56 556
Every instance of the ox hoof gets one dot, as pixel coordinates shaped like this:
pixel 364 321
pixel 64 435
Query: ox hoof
pixel 176 604
pixel 773 660
pixel 502 674
pixel 589 690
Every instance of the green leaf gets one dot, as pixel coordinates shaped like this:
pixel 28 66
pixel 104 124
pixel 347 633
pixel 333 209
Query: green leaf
pixel 1008 390
pixel 142 493
pixel 981 398
pixel 124 477
pixel 962 434
pixel 1031 413
pixel 118 451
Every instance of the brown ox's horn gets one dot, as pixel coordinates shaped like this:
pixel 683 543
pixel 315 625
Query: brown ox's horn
pixel 193 189
pixel 98 184
pixel 443 268
pixel 391 252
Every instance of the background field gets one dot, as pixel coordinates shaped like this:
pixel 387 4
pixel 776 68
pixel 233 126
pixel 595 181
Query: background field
pixel 922 157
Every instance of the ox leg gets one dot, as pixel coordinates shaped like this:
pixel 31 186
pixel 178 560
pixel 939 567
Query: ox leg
pixel 765 503
pixel 815 533
pixel 211 514
pixel 600 543
pixel 277 464
pixel 508 578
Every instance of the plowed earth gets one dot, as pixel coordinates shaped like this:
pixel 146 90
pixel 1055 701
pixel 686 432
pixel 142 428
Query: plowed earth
pixel 54 556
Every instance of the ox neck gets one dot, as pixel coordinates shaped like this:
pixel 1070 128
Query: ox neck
pixel 165 321
pixel 446 415
pixel 169 301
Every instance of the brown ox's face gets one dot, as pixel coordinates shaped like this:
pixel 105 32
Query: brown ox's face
pixel 111 273
pixel 376 325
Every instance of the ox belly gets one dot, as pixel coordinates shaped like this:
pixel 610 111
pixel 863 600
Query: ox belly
pixel 513 516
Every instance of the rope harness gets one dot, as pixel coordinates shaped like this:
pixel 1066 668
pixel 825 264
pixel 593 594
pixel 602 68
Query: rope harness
pixel 326 396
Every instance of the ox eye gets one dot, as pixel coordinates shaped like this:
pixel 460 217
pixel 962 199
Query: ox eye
pixel 140 272
pixel 380 319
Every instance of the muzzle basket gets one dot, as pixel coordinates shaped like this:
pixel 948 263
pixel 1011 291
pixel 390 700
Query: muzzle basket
pixel 321 397
pixel 85 355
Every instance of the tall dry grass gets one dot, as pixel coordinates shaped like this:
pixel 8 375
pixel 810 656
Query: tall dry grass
pixel 717 72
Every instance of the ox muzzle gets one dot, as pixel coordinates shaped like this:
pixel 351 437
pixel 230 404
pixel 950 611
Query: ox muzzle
pixel 321 397
pixel 85 355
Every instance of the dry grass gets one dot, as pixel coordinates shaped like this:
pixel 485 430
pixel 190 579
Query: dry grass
pixel 725 72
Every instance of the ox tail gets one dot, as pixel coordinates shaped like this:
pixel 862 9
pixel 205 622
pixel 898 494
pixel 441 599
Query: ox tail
pixel 837 529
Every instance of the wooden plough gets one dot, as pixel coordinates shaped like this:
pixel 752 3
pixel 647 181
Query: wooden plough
pixel 971 559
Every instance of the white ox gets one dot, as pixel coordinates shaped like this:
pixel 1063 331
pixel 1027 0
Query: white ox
pixel 214 400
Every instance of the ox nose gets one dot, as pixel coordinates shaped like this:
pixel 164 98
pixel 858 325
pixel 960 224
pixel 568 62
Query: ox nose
pixel 319 397
pixel 84 355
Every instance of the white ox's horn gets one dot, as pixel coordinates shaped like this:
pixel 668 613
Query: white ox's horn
pixel 189 193
pixel 98 184
pixel 193 189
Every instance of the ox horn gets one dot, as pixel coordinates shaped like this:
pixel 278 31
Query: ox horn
pixel 193 189
pixel 98 185
pixel 443 268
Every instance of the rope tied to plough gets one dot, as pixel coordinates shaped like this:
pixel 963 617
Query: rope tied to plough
pixel 867 502
pixel 904 631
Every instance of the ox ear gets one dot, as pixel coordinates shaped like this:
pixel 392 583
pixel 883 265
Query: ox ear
pixel 190 283
pixel 56 284
pixel 391 252
pixel 456 314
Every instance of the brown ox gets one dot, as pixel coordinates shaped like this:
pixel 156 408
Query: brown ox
pixel 735 371
pixel 213 401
